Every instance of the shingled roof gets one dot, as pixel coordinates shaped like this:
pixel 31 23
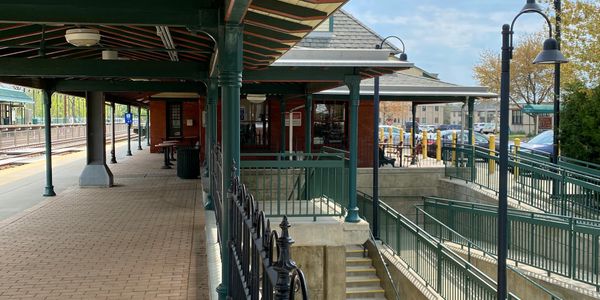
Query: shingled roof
pixel 348 33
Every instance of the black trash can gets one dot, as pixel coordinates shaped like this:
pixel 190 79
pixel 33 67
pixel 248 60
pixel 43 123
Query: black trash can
pixel 188 163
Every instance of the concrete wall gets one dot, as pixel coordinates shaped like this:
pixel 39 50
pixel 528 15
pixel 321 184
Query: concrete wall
pixel 407 287
pixel 324 268
pixel 402 188
pixel 320 251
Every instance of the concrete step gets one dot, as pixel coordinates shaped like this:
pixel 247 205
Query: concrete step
pixel 359 271
pixel 358 262
pixel 356 251
pixel 365 292
pixel 363 281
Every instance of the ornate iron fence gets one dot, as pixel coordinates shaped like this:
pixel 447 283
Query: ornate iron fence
pixel 262 265
pixel 557 244
pixel 217 183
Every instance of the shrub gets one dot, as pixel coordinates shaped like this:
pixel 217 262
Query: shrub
pixel 580 123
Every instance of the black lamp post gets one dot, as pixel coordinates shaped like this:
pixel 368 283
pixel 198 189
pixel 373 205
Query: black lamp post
pixel 403 57
pixel 549 55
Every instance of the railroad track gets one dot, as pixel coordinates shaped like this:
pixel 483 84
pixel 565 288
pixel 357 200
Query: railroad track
pixel 8 160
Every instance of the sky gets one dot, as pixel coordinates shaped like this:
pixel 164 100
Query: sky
pixel 445 36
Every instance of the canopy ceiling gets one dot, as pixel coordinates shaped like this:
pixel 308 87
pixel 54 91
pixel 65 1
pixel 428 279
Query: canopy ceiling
pixel 162 46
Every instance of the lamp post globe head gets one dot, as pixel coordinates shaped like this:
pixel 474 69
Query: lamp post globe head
pixel 531 6
pixel 550 54
pixel 403 57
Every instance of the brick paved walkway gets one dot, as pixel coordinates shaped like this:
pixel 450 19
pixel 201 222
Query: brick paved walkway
pixel 143 239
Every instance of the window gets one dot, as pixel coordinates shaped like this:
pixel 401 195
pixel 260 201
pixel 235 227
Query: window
pixel 424 120
pixel 329 124
pixel 254 123
pixel 517 117
pixel 174 123
pixel 437 108
pixel 424 108
pixel 437 120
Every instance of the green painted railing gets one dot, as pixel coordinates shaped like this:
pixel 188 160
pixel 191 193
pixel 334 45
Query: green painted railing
pixel 557 189
pixel 557 244
pixel 301 185
pixel 447 234
pixel 446 272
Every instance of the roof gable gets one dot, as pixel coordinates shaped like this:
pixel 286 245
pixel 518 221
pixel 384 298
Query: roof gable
pixel 348 33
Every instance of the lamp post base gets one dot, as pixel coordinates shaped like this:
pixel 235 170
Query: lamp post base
pixel 49 191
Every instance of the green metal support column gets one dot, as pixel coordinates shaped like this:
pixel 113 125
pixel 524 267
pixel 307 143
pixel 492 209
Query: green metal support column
pixel 128 133
pixel 49 190
pixel 139 128
pixel 282 113
pixel 308 123
pixel 230 79
pixel 308 102
pixel 113 154
pixel 148 127
pixel 353 83
pixel 211 134
pixel 471 109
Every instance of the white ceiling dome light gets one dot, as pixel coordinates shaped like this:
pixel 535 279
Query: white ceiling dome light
pixel 256 98
pixel 82 37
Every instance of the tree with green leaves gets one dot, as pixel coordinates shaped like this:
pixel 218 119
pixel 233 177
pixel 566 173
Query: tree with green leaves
pixel 580 123
pixel 529 83
pixel 580 34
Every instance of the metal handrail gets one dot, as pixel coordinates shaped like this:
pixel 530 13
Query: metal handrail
pixel 471 244
pixel 543 185
pixel 573 246
pixel 432 247
pixel 387 270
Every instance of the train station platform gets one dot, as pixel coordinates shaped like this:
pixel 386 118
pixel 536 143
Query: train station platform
pixel 142 239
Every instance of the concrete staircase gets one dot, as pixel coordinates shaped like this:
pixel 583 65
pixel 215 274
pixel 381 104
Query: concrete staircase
pixel 361 277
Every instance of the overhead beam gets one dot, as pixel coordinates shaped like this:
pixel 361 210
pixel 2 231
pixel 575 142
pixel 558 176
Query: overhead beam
pixel 288 10
pixel 276 24
pixel 60 68
pixel 297 74
pixel 265 33
pixel 106 13
pixel 274 88
pixel 235 10
pixel 127 86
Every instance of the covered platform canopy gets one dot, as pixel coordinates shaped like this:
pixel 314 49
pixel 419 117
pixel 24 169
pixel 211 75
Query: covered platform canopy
pixel 8 95
pixel 400 86
pixel 135 49
pixel 538 109
pixel 159 46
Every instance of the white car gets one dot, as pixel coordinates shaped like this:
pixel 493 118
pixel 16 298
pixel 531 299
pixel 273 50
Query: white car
pixel 478 126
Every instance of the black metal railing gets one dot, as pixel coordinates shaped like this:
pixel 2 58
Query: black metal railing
pixel 217 183
pixel 261 266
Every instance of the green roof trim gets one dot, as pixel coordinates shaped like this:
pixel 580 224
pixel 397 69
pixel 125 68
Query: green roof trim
pixel 537 109
pixel 10 95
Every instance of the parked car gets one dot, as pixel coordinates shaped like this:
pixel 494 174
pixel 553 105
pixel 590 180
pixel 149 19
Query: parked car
pixel 408 126
pixel 481 140
pixel 386 133
pixel 428 128
pixel 488 128
pixel 541 143
pixel 449 127
pixel 478 126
